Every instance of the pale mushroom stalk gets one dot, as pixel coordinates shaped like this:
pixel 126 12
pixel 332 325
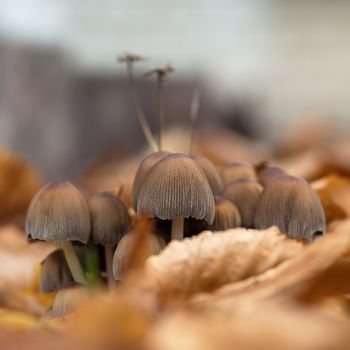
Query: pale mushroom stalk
pixel 177 228
pixel 160 107
pixel 109 252
pixel 140 114
pixel 72 261
pixel 161 73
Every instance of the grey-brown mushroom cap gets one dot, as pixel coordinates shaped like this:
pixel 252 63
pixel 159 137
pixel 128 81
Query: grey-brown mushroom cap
pixel 226 215
pixel 176 187
pixel 110 219
pixel 237 170
pixel 55 273
pixel 292 205
pixel 269 173
pixel 155 244
pixel 211 173
pixel 245 194
pixel 143 169
pixel 58 212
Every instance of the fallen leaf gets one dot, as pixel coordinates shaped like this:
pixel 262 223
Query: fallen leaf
pixel 208 261
pixel 334 192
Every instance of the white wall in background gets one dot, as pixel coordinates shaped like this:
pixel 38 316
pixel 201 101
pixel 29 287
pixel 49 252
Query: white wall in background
pixel 288 56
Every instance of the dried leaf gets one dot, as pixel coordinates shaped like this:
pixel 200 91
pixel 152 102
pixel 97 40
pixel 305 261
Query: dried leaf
pixel 267 325
pixel 334 192
pixel 321 270
pixel 208 261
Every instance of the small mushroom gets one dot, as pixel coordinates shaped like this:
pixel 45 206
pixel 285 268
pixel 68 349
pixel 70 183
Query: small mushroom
pixel 69 300
pixel 211 173
pixel 269 173
pixel 237 170
pixel 125 246
pixel 142 171
pixel 110 221
pixel 226 215
pixel 59 213
pixel 55 273
pixel 174 189
pixel 245 194
pixel 292 205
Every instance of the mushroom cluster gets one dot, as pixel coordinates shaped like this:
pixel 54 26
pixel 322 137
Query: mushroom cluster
pixel 182 194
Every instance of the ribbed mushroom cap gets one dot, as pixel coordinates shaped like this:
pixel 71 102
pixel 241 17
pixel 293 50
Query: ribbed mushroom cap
pixel 125 246
pixel 58 212
pixel 226 215
pixel 237 170
pixel 211 173
pixel 245 194
pixel 292 205
pixel 176 187
pixel 69 300
pixel 110 219
pixel 55 273
pixel 146 164
pixel 269 173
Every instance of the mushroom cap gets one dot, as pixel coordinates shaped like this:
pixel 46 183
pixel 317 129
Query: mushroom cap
pixel 125 246
pixel 55 273
pixel 110 219
pixel 269 173
pixel 142 171
pixel 292 205
pixel 245 194
pixel 176 187
pixel 211 173
pixel 58 212
pixel 226 215
pixel 69 300
pixel 237 170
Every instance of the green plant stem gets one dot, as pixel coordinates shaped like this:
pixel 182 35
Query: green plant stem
pixel 109 250
pixel 92 266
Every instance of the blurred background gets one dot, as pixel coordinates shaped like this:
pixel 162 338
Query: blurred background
pixel 262 66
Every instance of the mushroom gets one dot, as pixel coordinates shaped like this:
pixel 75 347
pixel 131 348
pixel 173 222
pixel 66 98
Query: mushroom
pixel 146 164
pixel 237 170
pixel 292 205
pixel 59 213
pixel 176 188
pixel 269 173
pixel 55 273
pixel 155 244
pixel 69 300
pixel 226 215
pixel 211 173
pixel 161 73
pixel 245 194
pixel 130 59
pixel 110 220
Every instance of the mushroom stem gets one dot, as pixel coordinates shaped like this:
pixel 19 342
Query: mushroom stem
pixel 177 228
pixel 109 266
pixel 160 107
pixel 72 261
pixel 194 108
pixel 140 114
